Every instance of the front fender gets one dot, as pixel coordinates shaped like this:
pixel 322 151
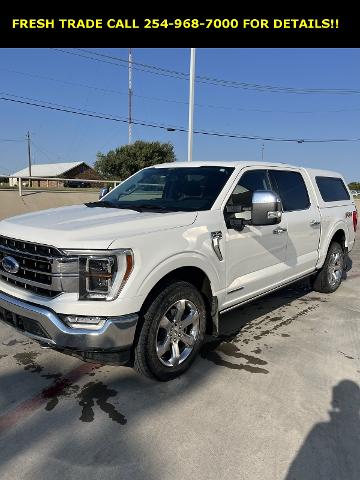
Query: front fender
pixel 180 260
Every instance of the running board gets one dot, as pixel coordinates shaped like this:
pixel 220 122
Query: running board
pixel 283 285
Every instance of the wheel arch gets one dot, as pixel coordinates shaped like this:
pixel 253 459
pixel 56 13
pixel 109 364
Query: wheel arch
pixel 200 280
pixel 340 237
pixel 337 234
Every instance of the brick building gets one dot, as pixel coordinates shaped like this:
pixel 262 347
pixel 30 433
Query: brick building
pixel 56 173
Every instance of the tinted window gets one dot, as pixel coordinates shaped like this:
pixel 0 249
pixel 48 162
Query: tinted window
pixel 291 189
pixel 248 183
pixel 169 189
pixel 332 189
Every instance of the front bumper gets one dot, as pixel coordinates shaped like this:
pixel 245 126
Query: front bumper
pixel 45 326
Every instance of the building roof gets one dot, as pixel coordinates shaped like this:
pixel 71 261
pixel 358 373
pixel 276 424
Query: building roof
pixel 47 170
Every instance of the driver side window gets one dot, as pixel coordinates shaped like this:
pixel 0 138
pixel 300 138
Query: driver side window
pixel 249 182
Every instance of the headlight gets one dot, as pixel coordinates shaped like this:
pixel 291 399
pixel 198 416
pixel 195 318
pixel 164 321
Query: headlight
pixel 103 274
pixel 97 274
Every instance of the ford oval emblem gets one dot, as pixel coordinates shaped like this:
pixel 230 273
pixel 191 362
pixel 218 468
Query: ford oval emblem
pixel 10 265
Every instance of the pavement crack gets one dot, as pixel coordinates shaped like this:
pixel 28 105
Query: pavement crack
pixel 347 356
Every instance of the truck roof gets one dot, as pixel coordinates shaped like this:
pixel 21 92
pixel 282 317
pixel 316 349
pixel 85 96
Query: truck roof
pixel 245 163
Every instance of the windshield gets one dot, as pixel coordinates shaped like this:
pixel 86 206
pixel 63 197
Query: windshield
pixel 170 189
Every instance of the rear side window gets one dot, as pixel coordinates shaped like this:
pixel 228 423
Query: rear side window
pixel 291 188
pixel 332 189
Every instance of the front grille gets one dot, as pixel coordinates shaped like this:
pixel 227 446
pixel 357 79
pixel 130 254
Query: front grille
pixel 40 267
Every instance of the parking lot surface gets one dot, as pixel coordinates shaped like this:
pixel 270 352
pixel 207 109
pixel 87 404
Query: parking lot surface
pixel 34 200
pixel 276 397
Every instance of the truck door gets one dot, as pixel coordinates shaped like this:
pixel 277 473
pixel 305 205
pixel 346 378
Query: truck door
pixel 302 216
pixel 255 256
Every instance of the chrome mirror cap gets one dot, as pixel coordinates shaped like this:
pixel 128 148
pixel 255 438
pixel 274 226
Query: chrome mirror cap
pixel 265 196
pixel 266 208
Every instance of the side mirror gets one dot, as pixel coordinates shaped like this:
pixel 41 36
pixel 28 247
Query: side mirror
pixel 266 208
pixel 234 209
pixel 104 191
pixel 237 216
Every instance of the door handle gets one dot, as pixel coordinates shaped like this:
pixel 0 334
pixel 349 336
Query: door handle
pixel 315 223
pixel 279 230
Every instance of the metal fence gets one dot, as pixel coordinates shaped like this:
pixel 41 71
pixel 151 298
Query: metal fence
pixel 23 183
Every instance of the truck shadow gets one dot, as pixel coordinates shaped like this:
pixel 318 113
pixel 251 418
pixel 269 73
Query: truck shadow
pixel 348 266
pixel 302 291
pixel 233 321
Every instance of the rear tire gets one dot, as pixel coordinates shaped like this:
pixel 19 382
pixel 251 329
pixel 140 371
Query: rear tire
pixel 172 332
pixel 329 278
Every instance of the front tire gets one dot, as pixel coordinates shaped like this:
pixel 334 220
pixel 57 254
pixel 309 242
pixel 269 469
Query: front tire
pixel 329 278
pixel 172 332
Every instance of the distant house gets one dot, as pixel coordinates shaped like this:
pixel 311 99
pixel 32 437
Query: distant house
pixel 55 172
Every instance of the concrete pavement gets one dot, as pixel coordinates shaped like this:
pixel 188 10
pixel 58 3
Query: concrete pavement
pixel 12 204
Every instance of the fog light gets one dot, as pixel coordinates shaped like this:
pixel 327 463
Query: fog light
pixel 89 323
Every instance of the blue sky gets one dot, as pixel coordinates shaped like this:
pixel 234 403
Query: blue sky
pixel 62 137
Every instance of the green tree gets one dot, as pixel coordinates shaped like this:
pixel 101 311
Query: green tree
pixel 128 159
pixel 354 186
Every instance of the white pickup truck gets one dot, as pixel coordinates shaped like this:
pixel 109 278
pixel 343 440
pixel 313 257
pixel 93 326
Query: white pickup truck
pixel 140 276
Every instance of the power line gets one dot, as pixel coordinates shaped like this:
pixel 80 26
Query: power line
pixel 115 63
pixel 143 65
pixel 65 82
pixel 56 104
pixel 221 82
pixel 76 111
pixel 43 152
pixel 81 111
pixel 180 102
pixel 11 140
pixel 85 111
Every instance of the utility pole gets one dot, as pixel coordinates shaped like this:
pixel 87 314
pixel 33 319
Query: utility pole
pixel 191 104
pixel 29 151
pixel 130 95
pixel 262 152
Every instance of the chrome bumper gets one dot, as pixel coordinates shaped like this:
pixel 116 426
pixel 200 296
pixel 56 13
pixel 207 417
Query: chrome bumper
pixel 45 326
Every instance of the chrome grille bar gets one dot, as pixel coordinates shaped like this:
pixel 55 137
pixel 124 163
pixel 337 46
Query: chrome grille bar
pixel 36 249
pixel 24 253
pixel 43 269
pixel 55 285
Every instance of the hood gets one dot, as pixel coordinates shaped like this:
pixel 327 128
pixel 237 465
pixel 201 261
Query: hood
pixel 83 227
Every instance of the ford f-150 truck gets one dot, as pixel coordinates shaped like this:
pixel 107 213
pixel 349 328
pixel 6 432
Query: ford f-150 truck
pixel 138 277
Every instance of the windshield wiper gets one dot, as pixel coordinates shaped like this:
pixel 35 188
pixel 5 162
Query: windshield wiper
pixel 160 208
pixel 129 206
pixel 100 203
pixel 107 204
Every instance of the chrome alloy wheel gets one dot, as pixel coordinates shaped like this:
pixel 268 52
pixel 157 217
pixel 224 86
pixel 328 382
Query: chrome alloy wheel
pixel 177 333
pixel 335 269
